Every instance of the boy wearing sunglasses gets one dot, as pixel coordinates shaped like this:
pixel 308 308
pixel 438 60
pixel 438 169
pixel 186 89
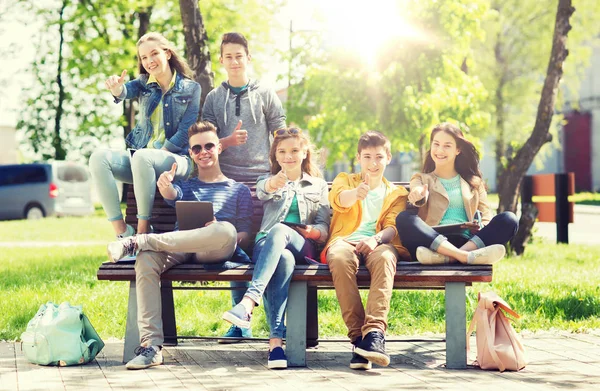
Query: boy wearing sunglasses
pixel 214 243
pixel 245 113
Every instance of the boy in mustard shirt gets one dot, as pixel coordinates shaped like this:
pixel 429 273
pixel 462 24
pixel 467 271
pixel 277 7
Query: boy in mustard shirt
pixel 363 230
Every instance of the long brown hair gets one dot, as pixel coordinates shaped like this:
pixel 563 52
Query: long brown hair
pixel 467 161
pixel 308 165
pixel 176 62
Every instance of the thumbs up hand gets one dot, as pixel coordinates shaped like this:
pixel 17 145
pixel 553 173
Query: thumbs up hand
pixel 279 180
pixel 115 83
pixel 363 188
pixel 166 178
pixel 418 193
pixel 239 135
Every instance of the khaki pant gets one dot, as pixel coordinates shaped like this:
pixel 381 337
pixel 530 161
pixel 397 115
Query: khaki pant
pixel 160 252
pixel 381 263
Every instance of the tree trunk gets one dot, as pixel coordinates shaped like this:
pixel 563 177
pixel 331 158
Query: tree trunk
pixel 528 215
pixel 59 151
pixel 511 178
pixel 196 42
pixel 500 131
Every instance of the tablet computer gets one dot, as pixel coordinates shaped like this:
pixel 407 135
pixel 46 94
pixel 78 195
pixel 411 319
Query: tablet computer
pixel 449 229
pixel 299 225
pixel 193 214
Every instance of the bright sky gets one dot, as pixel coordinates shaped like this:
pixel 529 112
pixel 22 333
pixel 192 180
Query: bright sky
pixel 345 23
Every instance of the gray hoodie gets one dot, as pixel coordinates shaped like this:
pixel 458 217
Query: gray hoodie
pixel 261 113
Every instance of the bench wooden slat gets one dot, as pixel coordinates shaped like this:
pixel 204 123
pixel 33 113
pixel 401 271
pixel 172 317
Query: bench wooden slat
pixel 315 274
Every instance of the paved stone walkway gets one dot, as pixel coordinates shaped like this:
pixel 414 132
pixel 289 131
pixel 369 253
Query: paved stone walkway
pixel 556 361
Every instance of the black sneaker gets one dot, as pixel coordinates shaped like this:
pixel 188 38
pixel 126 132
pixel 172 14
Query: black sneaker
pixel 372 347
pixel 358 361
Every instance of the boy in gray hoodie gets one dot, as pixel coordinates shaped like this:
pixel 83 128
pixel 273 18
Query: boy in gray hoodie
pixel 245 114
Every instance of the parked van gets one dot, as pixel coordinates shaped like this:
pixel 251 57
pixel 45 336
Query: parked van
pixel 27 191
pixel 33 191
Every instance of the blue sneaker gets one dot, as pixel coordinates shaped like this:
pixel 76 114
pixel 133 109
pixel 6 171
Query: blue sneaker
pixel 277 359
pixel 372 347
pixel 235 332
pixel 358 361
pixel 238 316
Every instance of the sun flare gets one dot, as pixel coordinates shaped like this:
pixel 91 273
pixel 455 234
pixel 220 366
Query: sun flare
pixel 365 28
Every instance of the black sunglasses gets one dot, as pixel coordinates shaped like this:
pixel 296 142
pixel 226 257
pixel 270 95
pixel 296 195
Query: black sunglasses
pixel 290 131
pixel 196 149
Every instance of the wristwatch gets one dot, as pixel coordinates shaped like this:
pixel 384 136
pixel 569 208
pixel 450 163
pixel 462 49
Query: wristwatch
pixel 378 239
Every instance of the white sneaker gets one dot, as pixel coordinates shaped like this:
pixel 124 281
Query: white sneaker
pixel 487 255
pixel 430 257
pixel 146 357
pixel 122 248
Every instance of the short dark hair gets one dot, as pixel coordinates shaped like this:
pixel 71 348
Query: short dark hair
pixel 373 138
pixel 201 127
pixel 234 38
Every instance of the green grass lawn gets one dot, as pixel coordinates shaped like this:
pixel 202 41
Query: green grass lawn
pixel 551 286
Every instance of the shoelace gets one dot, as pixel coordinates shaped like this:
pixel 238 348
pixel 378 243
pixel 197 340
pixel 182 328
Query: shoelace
pixel 144 351
pixel 130 247
pixel 378 339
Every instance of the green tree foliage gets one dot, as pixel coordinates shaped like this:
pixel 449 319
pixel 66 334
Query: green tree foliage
pixel 99 40
pixel 412 84
pixel 512 63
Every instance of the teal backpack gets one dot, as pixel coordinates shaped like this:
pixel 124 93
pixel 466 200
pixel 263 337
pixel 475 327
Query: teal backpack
pixel 60 335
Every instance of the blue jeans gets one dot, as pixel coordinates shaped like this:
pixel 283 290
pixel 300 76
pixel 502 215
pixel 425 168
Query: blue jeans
pixel 275 257
pixel 414 232
pixel 142 169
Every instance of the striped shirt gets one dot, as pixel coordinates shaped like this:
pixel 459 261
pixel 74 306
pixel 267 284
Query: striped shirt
pixel 231 200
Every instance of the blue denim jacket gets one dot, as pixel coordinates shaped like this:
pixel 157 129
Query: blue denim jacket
pixel 181 106
pixel 313 203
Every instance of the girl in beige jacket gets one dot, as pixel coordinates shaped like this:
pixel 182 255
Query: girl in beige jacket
pixel 450 192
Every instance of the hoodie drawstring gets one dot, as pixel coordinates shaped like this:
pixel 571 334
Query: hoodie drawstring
pixel 252 108
pixel 225 106
pixel 238 98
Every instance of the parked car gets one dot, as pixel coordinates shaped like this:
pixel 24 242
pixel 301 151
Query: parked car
pixel 33 191
pixel 74 189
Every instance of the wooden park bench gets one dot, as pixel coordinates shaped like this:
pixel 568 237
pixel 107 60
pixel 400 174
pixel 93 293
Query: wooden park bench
pixel 302 315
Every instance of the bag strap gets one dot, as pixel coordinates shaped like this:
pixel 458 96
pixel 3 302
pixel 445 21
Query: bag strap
pixel 502 304
pixel 93 347
pixel 472 328
pixel 490 343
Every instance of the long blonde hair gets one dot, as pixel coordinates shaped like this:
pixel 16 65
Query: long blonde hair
pixel 176 62
pixel 308 165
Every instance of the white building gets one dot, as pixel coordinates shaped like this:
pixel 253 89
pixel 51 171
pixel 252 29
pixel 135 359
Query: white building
pixel 8 145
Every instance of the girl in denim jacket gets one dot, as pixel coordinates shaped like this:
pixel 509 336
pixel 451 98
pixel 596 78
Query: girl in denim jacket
pixel 294 193
pixel 450 190
pixel 169 103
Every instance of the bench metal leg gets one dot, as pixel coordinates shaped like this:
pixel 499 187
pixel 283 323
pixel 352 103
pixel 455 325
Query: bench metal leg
pixel 312 318
pixel 296 324
pixel 168 313
pixel 132 333
pixel 456 326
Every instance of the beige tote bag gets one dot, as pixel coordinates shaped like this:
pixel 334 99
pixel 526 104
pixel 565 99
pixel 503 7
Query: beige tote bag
pixel 498 345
